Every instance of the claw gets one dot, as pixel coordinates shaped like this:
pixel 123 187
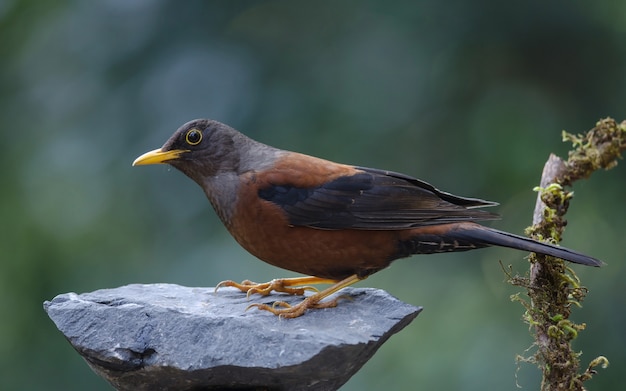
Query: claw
pixel 293 286
pixel 293 311
pixel 243 286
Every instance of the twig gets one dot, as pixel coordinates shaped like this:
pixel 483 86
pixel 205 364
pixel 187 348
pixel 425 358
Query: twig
pixel 553 287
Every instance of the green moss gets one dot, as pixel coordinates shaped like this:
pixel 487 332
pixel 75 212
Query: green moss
pixel 552 287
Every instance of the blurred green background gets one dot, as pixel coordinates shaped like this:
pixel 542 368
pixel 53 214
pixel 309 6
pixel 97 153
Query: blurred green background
pixel 470 96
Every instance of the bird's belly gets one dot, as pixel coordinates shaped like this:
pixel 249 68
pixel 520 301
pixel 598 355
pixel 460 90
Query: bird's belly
pixel 323 253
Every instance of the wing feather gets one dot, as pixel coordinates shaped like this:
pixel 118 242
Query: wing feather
pixel 373 199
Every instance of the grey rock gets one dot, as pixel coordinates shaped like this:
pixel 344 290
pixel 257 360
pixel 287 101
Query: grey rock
pixel 170 337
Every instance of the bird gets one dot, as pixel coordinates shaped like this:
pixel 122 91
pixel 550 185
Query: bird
pixel 335 223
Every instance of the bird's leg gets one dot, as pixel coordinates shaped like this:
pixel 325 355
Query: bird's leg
pixel 292 286
pixel 313 301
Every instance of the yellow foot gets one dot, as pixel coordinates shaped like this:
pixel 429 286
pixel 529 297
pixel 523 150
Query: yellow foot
pixel 293 311
pixel 313 301
pixel 291 286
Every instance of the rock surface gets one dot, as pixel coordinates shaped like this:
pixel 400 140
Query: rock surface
pixel 170 337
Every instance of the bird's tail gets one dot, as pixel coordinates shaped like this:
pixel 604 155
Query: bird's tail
pixel 485 236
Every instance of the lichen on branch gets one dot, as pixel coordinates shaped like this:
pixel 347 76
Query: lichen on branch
pixel 552 287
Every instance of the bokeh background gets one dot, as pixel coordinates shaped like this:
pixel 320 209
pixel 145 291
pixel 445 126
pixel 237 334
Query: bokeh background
pixel 470 96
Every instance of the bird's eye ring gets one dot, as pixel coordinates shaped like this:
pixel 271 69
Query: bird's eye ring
pixel 193 137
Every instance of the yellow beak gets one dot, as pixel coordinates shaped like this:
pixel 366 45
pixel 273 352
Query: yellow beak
pixel 158 156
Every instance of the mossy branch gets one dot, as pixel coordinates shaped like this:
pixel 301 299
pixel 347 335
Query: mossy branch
pixel 553 287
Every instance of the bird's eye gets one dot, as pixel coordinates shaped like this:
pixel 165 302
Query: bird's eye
pixel 193 137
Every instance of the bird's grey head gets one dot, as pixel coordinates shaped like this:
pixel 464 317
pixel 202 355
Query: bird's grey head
pixel 204 148
pixel 212 154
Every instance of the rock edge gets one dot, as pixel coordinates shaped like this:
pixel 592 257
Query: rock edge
pixel 170 337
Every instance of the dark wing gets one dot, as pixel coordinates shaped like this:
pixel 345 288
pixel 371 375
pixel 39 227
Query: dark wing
pixel 373 200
